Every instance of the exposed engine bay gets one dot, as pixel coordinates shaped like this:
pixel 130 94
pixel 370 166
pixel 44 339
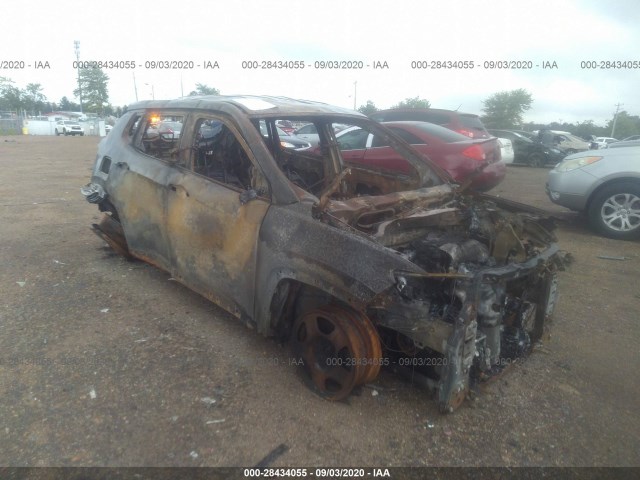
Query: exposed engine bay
pixel 488 288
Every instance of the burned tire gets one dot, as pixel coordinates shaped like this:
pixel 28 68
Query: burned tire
pixel 339 349
pixel 615 211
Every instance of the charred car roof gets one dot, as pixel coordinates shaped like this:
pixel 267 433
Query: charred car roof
pixel 253 106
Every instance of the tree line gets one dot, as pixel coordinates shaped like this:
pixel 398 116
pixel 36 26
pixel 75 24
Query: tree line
pixel 502 110
pixel 30 101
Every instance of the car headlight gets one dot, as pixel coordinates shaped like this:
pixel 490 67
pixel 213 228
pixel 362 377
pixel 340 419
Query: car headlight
pixel 568 165
pixel 287 144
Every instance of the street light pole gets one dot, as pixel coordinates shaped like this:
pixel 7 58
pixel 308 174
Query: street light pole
pixel 355 93
pixel 135 87
pixel 76 46
pixel 615 118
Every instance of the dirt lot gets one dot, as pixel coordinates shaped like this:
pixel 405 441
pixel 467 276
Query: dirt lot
pixel 105 362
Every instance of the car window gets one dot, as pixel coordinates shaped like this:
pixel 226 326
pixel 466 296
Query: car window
pixel 442 133
pixel 133 125
pixel 218 154
pixel 308 129
pixel 158 138
pixel 353 140
pixel 439 118
pixel 471 121
pixel 406 136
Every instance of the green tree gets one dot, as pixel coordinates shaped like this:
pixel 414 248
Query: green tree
pixel 587 128
pixel 10 95
pixel 202 89
pixel 625 125
pixel 95 95
pixel 415 102
pixel 505 109
pixel 33 99
pixel 368 108
pixel 68 106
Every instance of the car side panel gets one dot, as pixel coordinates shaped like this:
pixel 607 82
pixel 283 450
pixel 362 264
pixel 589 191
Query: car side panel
pixel 137 186
pixel 213 238
pixel 294 245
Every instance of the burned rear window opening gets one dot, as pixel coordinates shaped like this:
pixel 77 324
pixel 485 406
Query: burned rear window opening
pixel 357 266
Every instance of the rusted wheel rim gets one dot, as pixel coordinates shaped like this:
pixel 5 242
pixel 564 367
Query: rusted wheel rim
pixel 330 346
pixel 373 355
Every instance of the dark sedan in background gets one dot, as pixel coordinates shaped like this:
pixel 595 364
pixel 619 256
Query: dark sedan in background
pixel 528 151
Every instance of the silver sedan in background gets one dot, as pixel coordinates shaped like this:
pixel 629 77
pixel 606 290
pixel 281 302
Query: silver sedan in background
pixel 603 183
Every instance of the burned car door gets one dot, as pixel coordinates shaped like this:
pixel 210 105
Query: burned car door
pixel 216 201
pixel 138 180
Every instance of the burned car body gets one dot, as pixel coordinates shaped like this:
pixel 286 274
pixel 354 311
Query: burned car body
pixel 358 267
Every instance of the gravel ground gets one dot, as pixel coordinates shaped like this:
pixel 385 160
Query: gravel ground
pixel 105 362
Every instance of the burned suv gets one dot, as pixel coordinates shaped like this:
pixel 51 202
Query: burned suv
pixel 357 267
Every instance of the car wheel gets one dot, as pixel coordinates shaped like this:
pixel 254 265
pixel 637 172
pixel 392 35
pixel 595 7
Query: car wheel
pixel 537 159
pixel 82 134
pixel 57 133
pixel 326 339
pixel 615 211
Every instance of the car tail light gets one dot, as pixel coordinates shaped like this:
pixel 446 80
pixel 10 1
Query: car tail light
pixel 466 133
pixel 476 152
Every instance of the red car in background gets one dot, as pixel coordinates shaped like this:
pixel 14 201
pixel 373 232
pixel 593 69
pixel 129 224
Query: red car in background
pixel 461 156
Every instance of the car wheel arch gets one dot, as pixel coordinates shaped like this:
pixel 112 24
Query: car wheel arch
pixel 601 197
pixel 291 296
pixel 607 184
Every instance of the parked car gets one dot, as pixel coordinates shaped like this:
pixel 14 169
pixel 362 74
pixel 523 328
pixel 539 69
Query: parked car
pixel 286 126
pixel 310 134
pixel 603 183
pixel 68 127
pixel 107 128
pixel 603 142
pixel 460 156
pixel 569 143
pixel 286 140
pixel 624 143
pixel 468 124
pixel 527 151
pixel 415 273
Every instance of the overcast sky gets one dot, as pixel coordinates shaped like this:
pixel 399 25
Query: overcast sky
pixel 396 32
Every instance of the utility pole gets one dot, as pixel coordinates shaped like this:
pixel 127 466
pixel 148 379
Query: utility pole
pixel 135 87
pixel 76 46
pixel 615 118
pixel 355 93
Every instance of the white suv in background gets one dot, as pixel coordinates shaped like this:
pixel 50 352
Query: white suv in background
pixel 68 127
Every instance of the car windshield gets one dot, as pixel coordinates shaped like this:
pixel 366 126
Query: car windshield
pixel 471 121
pixel 444 134
pixel 175 126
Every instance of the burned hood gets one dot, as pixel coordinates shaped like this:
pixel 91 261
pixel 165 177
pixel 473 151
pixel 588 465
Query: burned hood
pixel 471 228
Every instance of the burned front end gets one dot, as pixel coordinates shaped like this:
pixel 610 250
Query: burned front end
pixel 481 294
